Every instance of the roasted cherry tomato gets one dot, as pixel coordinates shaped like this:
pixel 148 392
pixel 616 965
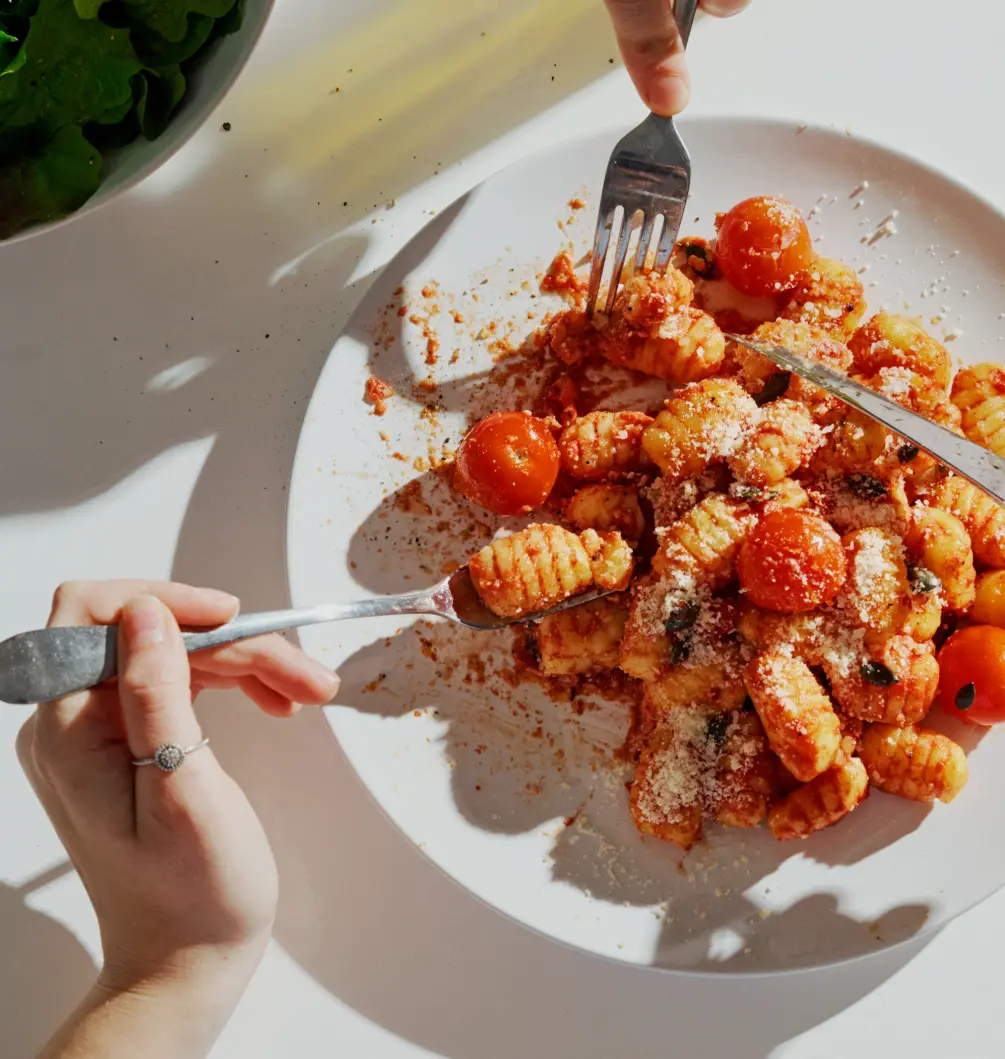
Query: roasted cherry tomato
pixel 972 674
pixel 508 463
pixel 792 561
pixel 763 246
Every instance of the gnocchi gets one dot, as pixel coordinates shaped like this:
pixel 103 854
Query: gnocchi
pixel 913 762
pixel 543 564
pixel 604 446
pixel 774 676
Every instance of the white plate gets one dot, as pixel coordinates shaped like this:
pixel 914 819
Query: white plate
pixel 483 783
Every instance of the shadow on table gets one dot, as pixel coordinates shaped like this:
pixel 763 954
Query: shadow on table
pixel 207 299
pixel 45 971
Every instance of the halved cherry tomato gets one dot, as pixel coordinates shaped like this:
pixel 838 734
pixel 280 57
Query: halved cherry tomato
pixel 763 246
pixel 792 561
pixel 508 463
pixel 972 674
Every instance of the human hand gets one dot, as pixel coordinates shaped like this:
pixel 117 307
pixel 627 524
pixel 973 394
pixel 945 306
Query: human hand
pixel 176 864
pixel 653 51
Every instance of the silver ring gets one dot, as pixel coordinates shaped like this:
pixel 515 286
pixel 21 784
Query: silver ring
pixel 170 756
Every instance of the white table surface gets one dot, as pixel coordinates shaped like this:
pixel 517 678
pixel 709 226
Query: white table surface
pixel 156 361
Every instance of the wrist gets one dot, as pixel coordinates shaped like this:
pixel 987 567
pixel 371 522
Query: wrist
pixel 158 1009
pixel 205 975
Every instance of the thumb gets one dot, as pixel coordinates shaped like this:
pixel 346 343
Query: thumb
pixel 653 52
pixel 154 679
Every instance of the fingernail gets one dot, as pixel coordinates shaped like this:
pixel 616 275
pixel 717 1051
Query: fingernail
pixel 142 622
pixel 326 677
pixel 223 600
pixel 668 95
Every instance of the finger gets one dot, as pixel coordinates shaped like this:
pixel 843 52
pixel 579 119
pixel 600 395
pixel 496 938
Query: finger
pixel 24 746
pixel 275 662
pixel 36 773
pixel 79 762
pixel 100 602
pixel 723 8
pixel 267 700
pixel 653 52
pixel 154 679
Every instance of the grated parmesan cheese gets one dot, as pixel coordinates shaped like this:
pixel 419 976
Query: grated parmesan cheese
pixel 883 230
pixel 687 771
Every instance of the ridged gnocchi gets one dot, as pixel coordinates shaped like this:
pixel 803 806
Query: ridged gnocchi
pixel 656 330
pixel 544 564
pixel 746 779
pixel 829 297
pixel 939 543
pixel 983 518
pixel 703 424
pixel 875 594
pixel 823 801
pixel 889 341
pixel 661 803
pixel 757 373
pixel 895 684
pixel 783 440
pixel 604 446
pixel 581 639
pixel 715 687
pixel 687 347
pixel 601 506
pixel 913 762
pixel 979 394
pixel 798 718
pixel 989 599
pixel 703 545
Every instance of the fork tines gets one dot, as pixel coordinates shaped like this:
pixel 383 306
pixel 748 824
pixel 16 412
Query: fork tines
pixel 645 188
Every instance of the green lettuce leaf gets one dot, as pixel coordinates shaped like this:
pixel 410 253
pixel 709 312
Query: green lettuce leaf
pixel 12 55
pixel 155 51
pixel 160 92
pixel 169 18
pixel 49 184
pixel 74 71
pixel 231 22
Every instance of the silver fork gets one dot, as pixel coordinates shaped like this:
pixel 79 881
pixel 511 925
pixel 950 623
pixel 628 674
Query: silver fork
pixel 48 663
pixel 649 174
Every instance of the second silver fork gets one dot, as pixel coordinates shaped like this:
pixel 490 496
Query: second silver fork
pixel 648 178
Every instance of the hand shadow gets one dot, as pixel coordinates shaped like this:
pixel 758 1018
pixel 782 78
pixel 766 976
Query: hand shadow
pixel 44 974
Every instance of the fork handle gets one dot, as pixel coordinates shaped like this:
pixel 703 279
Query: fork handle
pixel 49 663
pixel 683 14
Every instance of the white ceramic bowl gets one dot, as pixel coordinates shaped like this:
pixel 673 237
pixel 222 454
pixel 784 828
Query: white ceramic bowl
pixel 208 83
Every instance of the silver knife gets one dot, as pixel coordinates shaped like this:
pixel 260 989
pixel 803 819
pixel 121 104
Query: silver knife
pixel 969 460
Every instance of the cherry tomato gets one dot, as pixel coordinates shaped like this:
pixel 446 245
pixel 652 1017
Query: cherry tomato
pixel 972 674
pixel 508 463
pixel 793 561
pixel 763 246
